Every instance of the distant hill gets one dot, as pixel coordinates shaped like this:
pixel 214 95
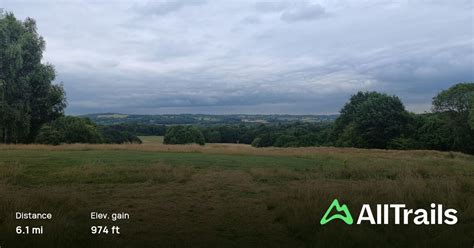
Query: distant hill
pixel 204 119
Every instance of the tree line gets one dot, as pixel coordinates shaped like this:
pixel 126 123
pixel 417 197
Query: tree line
pixel 203 119
pixel 367 120
pixel 70 129
pixel 375 120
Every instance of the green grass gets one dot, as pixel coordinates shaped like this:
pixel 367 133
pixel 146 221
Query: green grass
pixel 64 167
pixel 230 196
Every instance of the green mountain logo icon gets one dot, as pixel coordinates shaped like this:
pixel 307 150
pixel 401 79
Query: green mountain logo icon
pixel 346 216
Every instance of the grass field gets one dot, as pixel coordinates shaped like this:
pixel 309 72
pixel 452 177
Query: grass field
pixel 229 195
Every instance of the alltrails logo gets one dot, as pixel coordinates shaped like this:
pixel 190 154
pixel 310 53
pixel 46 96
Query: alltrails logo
pixel 347 217
pixel 384 212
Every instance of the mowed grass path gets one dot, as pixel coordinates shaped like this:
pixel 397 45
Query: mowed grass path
pixel 229 195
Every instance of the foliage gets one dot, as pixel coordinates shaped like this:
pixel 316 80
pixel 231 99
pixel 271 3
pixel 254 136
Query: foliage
pixel 204 119
pixel 402 143
pixel 295 135
pixel 374 120
pixel 264 140
pixel 212 136
pixel 471 113
pixel 282 135
pixel 286 141
pixel 455 111
pixel 69 130
pixel 28 99
pixel 370 120
pixel 229 133
pixel 138 129
pixel 257 142
pixel 456 99
pixel 113 136
pixel 183 135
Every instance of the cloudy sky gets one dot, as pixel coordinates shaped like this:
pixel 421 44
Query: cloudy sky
pixel 215 56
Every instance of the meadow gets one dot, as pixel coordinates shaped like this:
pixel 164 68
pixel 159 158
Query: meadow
pixel 222 195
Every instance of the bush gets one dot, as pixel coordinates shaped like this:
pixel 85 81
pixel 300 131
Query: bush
pixel 213 137
pixel 49 135
pixel 113 136
pixel 257 142
pixel 402 143
pixel 183 135
pixel 286 141
pixel 69 130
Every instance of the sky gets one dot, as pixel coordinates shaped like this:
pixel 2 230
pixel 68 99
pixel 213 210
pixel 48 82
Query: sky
pixel 251 57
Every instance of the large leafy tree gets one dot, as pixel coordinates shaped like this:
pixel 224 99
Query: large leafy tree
pixel 28 99
pixel 456 99
pixel 471 113
pixel 370 120
pixel 454 107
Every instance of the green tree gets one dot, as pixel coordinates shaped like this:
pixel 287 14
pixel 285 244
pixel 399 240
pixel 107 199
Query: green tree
pixel 257 142
pixel 213 136
pixel 456 99
pixel 183 135
pixel 264 140
pixel 28 99
pixel 370 120
pixel 454 108
pixel 286 141
pixel 471 113
pixel 69 130
pixel 113 136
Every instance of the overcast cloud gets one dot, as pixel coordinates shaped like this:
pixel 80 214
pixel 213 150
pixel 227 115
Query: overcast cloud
pixel 211 56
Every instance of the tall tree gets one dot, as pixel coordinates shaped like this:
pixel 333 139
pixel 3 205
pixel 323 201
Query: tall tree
pixel 370 120
pixel 455 99
pixel 455 108
pixel 28 99
pixel 471 113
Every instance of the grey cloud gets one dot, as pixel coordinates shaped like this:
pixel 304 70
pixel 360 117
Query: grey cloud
pixel 165 7
pixel 303 12
pixel 299 10
pixel 271 6
pixel 251 20
pixel 427 71
pixel 242 57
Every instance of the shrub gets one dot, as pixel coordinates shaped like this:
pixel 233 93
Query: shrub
pixel 183 135
pixel 69 129
pixel 257 142
pixel 113 136
pixel 286 141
